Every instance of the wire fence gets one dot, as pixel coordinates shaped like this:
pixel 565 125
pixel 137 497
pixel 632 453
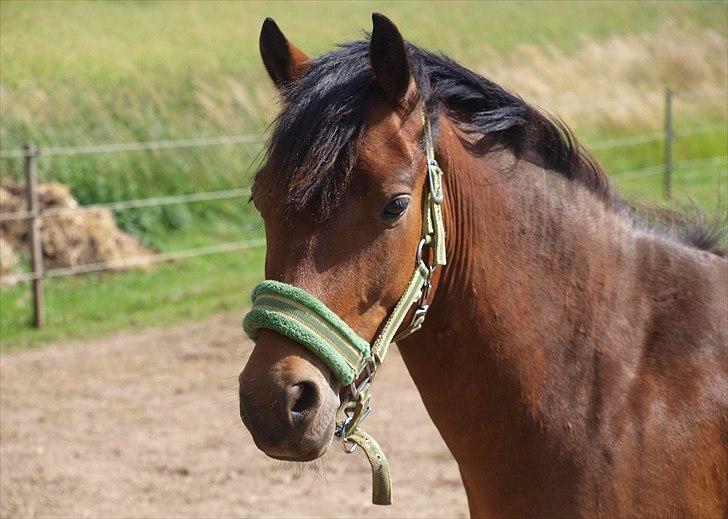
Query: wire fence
pixel 35 214
pixel 137 261
pixel 95 149
pixel 643 138
pixel 658 169
pixel 132 204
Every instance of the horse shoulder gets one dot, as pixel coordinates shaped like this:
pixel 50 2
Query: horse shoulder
pixel 669 451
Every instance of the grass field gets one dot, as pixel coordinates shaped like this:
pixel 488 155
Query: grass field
pixel 97 72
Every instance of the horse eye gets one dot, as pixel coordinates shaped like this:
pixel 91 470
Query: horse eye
pixel 396 207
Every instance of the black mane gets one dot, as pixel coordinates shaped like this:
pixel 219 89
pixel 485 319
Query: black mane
pixel 316 135
pixel 313 147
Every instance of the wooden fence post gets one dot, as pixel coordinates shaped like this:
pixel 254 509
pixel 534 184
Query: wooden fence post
pixel 36 247
pixel 669 140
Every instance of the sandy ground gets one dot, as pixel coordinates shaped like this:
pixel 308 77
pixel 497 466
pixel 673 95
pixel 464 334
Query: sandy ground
pixel 146 425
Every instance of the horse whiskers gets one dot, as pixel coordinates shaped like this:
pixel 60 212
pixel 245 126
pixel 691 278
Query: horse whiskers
pixel 225 408
pixel 298 470
pixel 227 377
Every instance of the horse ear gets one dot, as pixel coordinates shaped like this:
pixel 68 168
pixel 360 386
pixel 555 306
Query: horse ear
pixel 388 57
pixel 284 61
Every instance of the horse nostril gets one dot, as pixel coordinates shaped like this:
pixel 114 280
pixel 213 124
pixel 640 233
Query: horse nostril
pixel 303 397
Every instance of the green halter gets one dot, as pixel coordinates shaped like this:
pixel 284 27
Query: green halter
pixel 296 314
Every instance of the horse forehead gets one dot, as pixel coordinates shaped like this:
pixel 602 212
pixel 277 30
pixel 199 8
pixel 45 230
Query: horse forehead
pixel 390 137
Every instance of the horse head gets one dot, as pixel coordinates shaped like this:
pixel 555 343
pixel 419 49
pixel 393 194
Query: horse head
pixel 342 205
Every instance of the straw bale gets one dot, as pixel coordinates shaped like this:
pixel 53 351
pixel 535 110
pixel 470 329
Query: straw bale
pixel 68 240
pixel 8 257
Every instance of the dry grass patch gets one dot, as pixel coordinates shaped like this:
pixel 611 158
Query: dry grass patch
pixel 621 80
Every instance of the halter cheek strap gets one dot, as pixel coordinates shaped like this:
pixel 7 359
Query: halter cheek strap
pixel 296 314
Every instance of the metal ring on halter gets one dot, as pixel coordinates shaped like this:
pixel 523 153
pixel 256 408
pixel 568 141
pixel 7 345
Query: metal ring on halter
pixel 426 289
pixel 420 249
pixel 341 430
pixel 355 388
pixel 420 313
pixel 351 448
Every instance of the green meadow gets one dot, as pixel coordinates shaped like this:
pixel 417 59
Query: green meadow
pixel 78 73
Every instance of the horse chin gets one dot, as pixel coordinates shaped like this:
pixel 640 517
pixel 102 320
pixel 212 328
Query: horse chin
pixel 312 446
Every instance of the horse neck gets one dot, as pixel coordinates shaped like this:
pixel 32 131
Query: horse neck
pixel 514 324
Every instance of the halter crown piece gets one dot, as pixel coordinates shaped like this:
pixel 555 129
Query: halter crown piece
pixel 296 314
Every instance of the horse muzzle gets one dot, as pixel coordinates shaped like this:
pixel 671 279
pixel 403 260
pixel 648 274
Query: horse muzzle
pixel 287 399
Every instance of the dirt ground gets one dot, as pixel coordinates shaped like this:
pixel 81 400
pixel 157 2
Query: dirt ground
pixel 146 425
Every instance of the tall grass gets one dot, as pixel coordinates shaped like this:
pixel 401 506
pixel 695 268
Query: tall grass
pixel 80 73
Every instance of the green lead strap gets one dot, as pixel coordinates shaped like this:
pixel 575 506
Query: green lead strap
pixel 381 479
pixel 296 314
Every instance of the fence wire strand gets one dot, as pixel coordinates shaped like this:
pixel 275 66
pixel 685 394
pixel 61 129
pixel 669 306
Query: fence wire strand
pixel 132 204
pixel 133 261
pixel 658 169
pixel 655 137
pixel 91 149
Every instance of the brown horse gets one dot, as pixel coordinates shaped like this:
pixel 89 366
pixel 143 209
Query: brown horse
pixel 574 359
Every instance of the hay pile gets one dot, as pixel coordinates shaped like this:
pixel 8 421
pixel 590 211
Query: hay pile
pixel 67 239
pixel 8 258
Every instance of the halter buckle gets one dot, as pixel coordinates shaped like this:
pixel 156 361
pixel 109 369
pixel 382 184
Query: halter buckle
pixel 370 367
pixel 419 317
pixel 433 168
pixel 349 446
pixel 355 411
